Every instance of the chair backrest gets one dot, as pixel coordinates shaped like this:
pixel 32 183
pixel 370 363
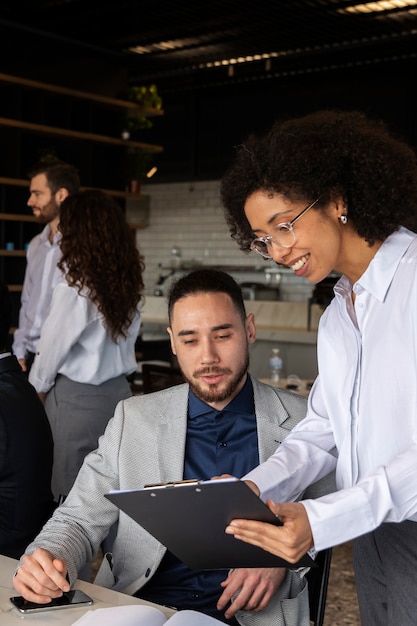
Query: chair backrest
pixel 156 377
pixel 318 580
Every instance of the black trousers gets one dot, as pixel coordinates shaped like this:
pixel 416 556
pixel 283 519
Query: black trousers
pixel 29 358
pixel 385 563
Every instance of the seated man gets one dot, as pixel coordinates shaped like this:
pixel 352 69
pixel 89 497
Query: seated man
pixel 222 421
pixel 26 450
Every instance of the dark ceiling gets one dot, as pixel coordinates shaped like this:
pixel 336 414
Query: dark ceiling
pixel 290 57
pixel 190 43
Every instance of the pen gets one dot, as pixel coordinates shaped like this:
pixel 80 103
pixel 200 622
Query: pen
pixel 174 483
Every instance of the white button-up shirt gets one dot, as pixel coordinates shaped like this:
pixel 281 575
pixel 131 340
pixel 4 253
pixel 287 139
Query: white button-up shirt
pixel 75 342
pixel 362 409
pixel 41 277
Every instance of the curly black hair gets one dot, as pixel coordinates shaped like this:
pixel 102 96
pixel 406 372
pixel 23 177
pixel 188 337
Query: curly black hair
pixel 99 254
pixel 327 154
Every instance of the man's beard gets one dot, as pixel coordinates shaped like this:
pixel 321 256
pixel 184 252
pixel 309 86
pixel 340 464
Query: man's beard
pixel 48 213
pixel 214 393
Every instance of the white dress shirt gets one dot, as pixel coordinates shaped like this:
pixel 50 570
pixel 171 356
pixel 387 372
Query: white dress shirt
pixel 41 277
pixel 74 342
pixel 362 410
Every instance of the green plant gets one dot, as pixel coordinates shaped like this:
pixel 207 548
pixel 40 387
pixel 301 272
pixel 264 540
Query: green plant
pixel 147 98
pixel 137 122
pixel 47 154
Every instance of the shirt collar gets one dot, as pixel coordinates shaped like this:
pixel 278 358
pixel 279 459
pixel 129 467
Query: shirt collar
pixel 242 403
pixel 45 235
pixel 379 274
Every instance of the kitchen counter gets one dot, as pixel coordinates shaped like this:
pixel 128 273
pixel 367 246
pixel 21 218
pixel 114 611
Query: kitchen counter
pixel 282 324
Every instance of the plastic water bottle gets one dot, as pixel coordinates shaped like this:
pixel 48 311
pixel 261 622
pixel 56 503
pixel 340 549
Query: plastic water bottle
pixel 275 366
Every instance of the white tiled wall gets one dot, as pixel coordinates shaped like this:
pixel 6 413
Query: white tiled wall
pixel 190 218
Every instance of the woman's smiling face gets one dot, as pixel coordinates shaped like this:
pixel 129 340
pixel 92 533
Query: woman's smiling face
pixel 317 249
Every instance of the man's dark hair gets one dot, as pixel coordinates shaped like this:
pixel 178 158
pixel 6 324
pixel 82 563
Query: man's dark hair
pixel 206 280
pixel 5 315
pixel 58 174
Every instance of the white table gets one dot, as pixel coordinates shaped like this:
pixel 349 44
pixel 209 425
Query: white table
pixel 10 616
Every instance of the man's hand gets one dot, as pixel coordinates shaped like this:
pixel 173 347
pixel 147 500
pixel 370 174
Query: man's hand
pixel 22 363
pixel 254 588
pixel 41 577
pixel 42 396
pixel 249 483
pixel 290 541
pixel 222 476
pixel 252 486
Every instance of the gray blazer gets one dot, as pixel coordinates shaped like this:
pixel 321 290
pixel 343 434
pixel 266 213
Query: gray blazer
pixel 145 443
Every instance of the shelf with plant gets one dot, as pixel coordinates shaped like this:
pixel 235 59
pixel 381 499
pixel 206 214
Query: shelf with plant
pixel 149 104
pixel 140 165
pixel 84 129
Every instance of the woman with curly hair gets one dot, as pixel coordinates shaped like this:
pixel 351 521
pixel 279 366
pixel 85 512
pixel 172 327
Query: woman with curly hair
pixel 87 343
pixel 335 191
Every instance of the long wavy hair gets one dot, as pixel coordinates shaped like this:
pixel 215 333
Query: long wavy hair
pixel 99 255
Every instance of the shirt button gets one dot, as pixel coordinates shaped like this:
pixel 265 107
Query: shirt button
pixel 195 596
pixel 223 444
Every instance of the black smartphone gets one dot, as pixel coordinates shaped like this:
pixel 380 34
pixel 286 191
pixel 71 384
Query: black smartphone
pixel 69 599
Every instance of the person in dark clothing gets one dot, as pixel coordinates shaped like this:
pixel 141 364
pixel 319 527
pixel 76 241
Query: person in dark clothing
pixel 26 450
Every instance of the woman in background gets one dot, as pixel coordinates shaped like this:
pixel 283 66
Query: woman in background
pixel 87 343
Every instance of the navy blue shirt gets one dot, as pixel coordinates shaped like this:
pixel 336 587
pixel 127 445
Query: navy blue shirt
pixel 218 442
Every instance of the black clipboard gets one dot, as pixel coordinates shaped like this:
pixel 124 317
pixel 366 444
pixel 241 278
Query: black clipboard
pixel 190 517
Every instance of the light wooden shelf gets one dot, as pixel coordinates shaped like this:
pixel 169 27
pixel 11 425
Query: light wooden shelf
pixel 76 134
pixel 12 252
pixel 18 182
pixel 17 217
pixel 21 217
pixel 20 135
pixel 75 93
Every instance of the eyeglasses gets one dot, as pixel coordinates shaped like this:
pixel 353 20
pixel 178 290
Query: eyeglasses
pixel 283 235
